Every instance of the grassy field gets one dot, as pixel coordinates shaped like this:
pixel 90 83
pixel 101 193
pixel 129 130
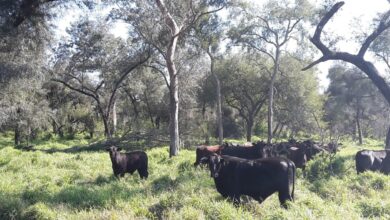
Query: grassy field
pixel 73 180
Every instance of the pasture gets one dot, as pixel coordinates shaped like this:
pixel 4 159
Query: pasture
pixel 73 179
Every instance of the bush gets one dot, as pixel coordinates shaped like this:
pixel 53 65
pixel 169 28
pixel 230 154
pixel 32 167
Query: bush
pixel 323 166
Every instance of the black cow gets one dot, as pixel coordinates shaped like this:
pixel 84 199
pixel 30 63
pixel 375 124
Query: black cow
pixel 298 156
pixel 385 167
pixel 311 148
pixel 259 178
pixel 369 160
pixel 258 151
pixel 128 162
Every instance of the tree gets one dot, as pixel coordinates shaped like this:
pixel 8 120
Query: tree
pixel 352 100
pixel 210 34
pixel 23 108
pixel 98 53
pixel 244 87
pixel 173 23
pixel 356 59
pixel 268 33
pixel 298 104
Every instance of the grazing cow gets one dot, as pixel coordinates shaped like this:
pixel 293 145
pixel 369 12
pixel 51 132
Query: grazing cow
pixel 259 178
pixel 205 151
pixel 128 162
pixel 298 156
pixel 256 152
pixel 369 160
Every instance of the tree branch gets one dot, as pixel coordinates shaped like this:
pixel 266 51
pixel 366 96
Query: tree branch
pixel 76 89
pixel 383 25
pixel 123 76
pixel 316 39
pixel 162 73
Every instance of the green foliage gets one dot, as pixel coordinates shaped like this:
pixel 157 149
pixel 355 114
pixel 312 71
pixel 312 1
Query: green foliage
pixel 71 179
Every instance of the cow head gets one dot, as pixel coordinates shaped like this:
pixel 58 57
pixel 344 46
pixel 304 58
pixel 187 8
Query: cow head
pixel 113 150
pixel 215 164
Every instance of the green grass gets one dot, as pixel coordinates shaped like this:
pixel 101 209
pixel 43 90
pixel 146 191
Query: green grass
pixel 72 179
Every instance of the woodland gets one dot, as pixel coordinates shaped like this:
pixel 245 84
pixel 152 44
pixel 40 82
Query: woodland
pixel 165 76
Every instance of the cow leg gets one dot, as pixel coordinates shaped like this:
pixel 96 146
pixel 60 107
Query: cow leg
pixel 236 200
pixel 116 174
pixel 283 197
pixel 260 199
pixel 143 174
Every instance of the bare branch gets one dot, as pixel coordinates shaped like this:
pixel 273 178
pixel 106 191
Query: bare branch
pixel 195 19
pixel 383 25
pixel 316 39
pixel 99 86
pixel 289 30
pixel 385 59
pixel 268 26
pixel 322 59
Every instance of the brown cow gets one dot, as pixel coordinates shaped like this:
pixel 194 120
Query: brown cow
pixel 206 151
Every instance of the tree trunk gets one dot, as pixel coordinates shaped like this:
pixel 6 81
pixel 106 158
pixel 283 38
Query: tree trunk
pixel 17 137
pixel 387 144
pixel 219 109
pixel 280 130
pixel 61 131
pixel 219 98
pixel 54 126
pixel 249 126
pixel 149 109
pixel 107 132
pixel 174 85
pixel 174 117
pixel 359 129
pixel 271 95
pixel 276 129
pixel 114 118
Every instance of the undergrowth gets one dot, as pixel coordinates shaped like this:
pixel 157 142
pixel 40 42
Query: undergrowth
pixel 69 179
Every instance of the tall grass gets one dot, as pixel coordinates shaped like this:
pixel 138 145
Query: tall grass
pixel 69 179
